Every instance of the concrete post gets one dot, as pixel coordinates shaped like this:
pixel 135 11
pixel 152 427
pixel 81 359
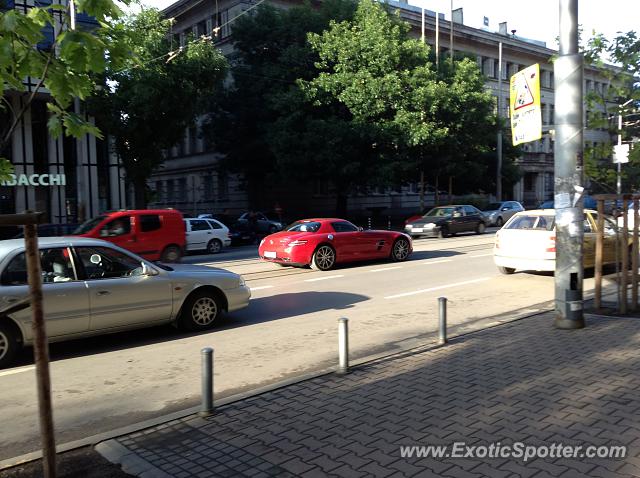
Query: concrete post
pixel 207 381
pixel 442 320
pixel 343 346
pixel 569 272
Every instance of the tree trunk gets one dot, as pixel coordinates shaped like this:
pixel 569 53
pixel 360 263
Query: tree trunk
pixel 421 191
pixel 140 193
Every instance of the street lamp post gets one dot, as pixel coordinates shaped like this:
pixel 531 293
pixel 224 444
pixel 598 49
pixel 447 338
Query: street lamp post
pixel 569 271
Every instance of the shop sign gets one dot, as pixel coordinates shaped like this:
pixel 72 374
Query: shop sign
pixel 35 180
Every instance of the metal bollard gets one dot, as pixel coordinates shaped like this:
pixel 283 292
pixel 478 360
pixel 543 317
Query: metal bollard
pixel 343 346
pixel 207 381
pixel 442 322
pixel 388 223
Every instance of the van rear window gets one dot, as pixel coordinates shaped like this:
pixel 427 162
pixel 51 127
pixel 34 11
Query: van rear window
pixel 541 223
pixel 149 222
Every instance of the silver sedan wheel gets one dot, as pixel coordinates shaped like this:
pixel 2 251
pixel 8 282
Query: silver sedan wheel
pixel 324 258
pixel 4 345
pixel 204 311
pixel 400 250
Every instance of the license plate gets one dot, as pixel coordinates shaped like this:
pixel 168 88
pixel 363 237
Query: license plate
pixel 416 229
pixel 270 254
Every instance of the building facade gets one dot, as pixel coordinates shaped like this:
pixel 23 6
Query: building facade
pixel 190 172
pixel 68 179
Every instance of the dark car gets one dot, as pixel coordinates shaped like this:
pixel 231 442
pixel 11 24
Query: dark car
pixel 444 221
pixel 259 222
pixel 241 234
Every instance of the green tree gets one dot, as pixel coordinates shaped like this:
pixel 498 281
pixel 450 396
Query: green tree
pixel 149 103
pixel 271 53
pixel 618 61
pixel 64 65
pixel 424 118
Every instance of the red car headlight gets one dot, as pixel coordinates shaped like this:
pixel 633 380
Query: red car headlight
pixel 298 242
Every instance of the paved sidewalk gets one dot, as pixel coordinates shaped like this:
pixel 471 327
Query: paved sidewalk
pixel 520 382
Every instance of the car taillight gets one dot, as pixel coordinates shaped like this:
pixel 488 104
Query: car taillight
pixel 298 242
pixel 552 244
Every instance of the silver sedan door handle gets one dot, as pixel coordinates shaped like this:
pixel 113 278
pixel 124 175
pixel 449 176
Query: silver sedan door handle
pixel 103 292
pixel 11 299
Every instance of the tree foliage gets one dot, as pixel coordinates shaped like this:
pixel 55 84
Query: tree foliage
pixel 147 105
pixel 63 65
pixel 271 53
pixel 435 120
pixel 618 61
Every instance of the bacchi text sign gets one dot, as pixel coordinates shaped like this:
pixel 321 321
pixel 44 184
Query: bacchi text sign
pixel 35 180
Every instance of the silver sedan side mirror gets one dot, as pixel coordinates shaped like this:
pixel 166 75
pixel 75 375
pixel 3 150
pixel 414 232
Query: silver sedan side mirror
pixel 148 271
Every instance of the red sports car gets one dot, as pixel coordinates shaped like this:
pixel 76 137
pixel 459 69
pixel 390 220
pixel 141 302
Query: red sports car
pixel 322 243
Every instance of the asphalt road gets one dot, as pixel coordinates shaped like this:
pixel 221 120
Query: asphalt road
pixel 289 328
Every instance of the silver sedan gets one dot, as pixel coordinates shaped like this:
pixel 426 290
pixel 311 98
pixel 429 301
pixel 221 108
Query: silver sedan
pixel 93 287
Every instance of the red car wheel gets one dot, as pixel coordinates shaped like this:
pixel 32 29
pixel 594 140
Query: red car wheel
pixel 323 258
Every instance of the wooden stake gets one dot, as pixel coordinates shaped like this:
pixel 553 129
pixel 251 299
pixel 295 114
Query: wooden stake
pixel 41 351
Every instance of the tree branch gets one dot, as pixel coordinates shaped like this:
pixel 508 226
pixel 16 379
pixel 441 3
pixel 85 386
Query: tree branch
pixel 27 104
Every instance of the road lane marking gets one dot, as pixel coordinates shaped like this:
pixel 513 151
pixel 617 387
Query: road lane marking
pixel 17 370
pixel 432 289
pixel 481 255
pixel 437 262
pixel 386 269
pixel 261 287
pixel 323 278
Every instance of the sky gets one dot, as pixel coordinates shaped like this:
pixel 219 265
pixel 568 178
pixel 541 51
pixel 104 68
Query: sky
pixel 535 19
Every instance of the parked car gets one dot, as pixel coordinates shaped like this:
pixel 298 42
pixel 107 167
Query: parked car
pixel 528 241
pixel 588 201
pixel 241 234
pixel 155 234
pixel 51 230
pixel 323 243
pixel 443 221
pixel 93 287
pixel 260 222
pixel 498 213
pixel 206 234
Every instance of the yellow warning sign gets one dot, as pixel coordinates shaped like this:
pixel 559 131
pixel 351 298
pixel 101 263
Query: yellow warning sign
pixel 526 117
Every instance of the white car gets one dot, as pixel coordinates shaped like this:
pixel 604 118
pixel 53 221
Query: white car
pixel 206 235
pixel 528 241
pixel 92 287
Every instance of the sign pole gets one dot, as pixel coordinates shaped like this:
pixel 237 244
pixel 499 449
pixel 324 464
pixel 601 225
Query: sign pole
pixel 569 271
pixel 499 138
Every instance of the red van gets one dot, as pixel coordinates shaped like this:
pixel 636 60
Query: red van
pixel 155 234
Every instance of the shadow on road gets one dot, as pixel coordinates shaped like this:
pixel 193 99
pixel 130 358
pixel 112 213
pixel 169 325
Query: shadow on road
pixel 260 310
pixel 282 306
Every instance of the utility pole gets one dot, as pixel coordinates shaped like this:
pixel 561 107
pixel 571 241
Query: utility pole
pixel 451 34
pixel 499 138
pixel 569 273
pixel 437 41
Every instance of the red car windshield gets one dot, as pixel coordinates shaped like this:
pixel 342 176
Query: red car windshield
pixel 302 226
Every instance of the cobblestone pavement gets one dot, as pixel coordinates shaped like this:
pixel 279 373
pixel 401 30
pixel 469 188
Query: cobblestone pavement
pixel 522 382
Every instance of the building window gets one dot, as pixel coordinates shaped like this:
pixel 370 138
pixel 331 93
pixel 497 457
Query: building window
pixel 193 140
pixel 488 67
pixel 223 186
pixel 171 192
pixel 182 189
pixel 207 185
